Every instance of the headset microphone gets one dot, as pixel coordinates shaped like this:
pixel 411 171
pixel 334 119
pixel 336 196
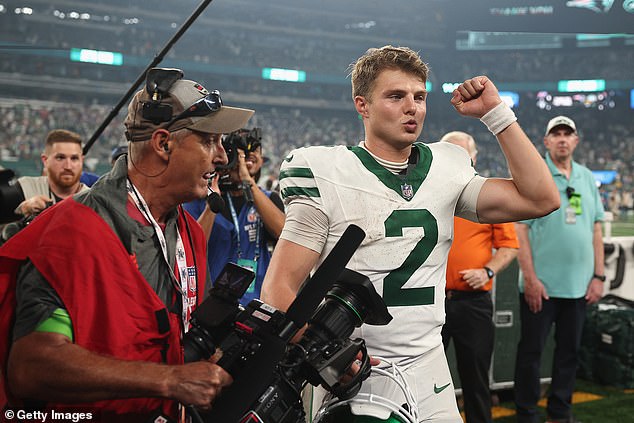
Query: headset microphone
pixel 214 200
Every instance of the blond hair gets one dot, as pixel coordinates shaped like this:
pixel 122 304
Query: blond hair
pixel 367 68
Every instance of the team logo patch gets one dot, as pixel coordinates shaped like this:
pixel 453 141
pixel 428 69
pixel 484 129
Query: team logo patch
pixel 407 191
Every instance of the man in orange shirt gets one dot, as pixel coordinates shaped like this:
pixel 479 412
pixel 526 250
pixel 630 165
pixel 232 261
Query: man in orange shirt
pixel 469 308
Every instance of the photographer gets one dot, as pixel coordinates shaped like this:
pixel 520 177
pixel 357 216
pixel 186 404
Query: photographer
pixel 62 161
pixel 251 219
pixel 97 292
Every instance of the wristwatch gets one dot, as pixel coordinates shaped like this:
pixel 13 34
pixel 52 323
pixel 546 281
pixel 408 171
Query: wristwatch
pixel 599 277
pixel 490 273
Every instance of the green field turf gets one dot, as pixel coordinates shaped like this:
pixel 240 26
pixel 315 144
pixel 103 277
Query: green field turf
pixel 623 226
pixel 592 403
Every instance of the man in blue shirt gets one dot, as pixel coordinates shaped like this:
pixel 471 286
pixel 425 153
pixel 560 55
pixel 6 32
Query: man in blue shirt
pixel 562 270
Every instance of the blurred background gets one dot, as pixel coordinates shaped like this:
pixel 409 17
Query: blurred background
pixel 66 63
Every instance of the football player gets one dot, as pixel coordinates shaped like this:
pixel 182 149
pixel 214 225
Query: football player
pixel 404 195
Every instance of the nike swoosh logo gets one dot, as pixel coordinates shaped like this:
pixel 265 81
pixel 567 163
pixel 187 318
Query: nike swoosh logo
pixel 289 158
pixel 438 390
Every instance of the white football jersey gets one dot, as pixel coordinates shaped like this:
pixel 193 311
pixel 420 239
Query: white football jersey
pixel 408 221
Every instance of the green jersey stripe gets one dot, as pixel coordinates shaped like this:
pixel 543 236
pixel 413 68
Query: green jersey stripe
pixel 296 172
pixel 307 192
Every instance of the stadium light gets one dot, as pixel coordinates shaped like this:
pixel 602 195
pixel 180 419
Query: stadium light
pixel 96 56
pixel 511 98
pixel 581 85
pixel 288 75
pixel 448 87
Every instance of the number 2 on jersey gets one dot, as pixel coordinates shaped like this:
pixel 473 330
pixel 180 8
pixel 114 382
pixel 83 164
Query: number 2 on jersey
pixel 393 292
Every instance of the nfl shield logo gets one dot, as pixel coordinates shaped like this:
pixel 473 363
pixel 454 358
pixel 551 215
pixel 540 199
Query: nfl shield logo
pixel 407 191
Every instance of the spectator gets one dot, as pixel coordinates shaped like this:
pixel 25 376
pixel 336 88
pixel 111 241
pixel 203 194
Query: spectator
pixel 93 320
pixel 403 195
pixel 251 220
pixel 562 270
pixel 63 162
pixel 471 266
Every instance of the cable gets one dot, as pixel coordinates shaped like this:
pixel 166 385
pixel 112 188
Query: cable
pixel 157 59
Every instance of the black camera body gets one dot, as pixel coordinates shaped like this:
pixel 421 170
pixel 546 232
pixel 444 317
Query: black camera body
pixel 247 140
pixel 269 373
pixel 12 228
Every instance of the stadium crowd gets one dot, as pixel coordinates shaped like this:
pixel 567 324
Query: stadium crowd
pixel 609 145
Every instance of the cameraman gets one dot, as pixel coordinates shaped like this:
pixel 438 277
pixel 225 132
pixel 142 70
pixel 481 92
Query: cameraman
pixel 96 293
pixel 62 161
pixel 251 219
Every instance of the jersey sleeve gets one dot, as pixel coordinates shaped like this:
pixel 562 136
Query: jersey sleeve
pixel 306 221
pixel 297 180
pixel 468 201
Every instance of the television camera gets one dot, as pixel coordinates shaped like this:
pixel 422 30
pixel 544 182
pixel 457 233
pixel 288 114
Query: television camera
pixel 269 373
pixel 247 140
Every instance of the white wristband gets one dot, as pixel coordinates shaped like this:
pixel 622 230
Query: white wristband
pixel 499 118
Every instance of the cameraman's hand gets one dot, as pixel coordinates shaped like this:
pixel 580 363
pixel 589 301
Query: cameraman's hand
pixel 197 383
pixel 355 367
pixel 33 205
pixel 243 170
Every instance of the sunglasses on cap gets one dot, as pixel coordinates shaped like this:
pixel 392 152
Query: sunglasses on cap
pixel 207 105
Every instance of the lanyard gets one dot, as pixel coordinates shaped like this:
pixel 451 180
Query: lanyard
pixel 181 258
pixel 236 230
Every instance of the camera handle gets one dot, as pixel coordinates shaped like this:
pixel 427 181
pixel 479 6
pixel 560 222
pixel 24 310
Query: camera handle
pixel 351 388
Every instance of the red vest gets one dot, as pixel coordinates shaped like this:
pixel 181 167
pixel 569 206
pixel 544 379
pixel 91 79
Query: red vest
pixel 111 306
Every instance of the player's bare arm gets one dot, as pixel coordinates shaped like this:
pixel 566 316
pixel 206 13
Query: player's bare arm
pixel 531 192
pixel 289 267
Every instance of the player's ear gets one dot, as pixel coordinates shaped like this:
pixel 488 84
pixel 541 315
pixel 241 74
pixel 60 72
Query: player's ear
pixel 361 104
